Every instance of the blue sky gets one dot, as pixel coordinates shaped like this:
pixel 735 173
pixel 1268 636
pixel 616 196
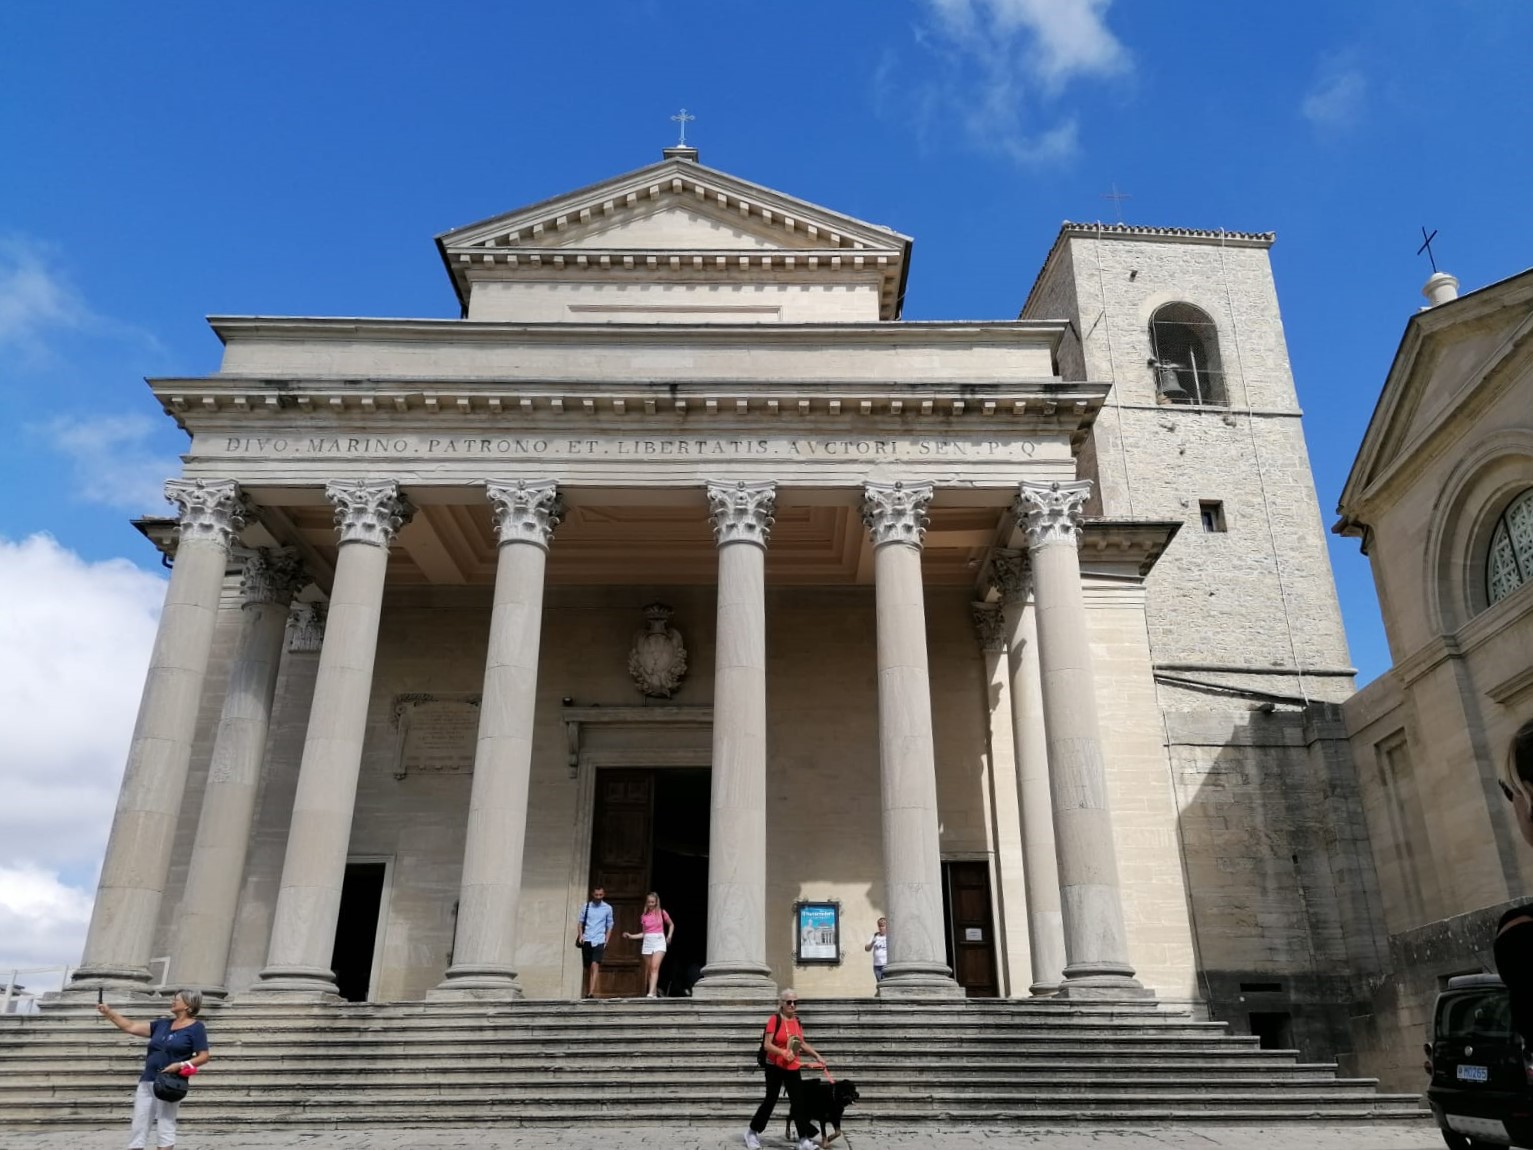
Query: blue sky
pixel 166 161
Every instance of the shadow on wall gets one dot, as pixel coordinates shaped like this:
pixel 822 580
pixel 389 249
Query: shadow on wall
pixel 1284 895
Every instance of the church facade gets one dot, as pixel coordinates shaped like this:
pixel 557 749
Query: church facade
pixel 682 562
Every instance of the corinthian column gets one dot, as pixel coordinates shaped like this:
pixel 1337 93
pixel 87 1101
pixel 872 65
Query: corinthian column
pixel 206 920
pixel 484 953
pixel 1045 928
pixel 367 515
pixel 138 851
pixel 736 967
pixel 895 516
pixel 1005 827
pixel 1096 945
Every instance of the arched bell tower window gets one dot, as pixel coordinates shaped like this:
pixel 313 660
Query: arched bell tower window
pixel 1185 346
pixel 1509 563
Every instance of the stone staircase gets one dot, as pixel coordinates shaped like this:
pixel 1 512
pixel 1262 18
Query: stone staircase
pixel 968 1063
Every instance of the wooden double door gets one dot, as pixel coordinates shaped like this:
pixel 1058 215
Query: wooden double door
pixel 650 833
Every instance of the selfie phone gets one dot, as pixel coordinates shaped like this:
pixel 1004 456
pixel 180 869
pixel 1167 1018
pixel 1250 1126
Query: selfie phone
pixel 1505 790
pixel 98 989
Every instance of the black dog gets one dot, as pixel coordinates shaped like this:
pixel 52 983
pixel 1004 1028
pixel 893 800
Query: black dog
pixel 823 1103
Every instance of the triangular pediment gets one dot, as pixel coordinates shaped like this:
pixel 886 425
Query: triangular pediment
pixel 668 210
pixel 1452 360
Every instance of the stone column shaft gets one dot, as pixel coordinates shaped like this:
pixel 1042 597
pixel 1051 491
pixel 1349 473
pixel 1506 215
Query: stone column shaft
pixel 1046 932
pixel 319 836
pixel 133 874
pixel 1096 943
pixel 1006 819
pixel 205 924
pixel 896 518
pixel 736 966
pixel 484 952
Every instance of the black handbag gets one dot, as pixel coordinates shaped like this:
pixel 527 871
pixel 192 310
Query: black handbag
pixel 170 1087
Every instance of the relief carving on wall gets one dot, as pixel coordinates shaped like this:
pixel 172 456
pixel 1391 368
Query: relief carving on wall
pixel 658 660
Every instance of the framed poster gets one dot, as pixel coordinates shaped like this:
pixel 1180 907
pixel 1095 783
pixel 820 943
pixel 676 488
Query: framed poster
pixel 817 933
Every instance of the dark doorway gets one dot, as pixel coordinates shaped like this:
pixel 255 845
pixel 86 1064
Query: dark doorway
pixel 970 927
pixel 650 833
pixel 356 929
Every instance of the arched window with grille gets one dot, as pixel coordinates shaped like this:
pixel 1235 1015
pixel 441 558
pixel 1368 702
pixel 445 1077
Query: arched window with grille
pixel 1185 347
pixel 1509 563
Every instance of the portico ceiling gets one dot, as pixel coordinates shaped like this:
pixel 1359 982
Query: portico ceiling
pixel 601 543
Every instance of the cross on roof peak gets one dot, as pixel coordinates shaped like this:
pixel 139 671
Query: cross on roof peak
pixel 683 119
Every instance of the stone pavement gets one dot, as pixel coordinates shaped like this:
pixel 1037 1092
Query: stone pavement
pixel 1282 1136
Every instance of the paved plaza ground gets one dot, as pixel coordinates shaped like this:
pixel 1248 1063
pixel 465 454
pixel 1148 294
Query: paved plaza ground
pixel 1282 1136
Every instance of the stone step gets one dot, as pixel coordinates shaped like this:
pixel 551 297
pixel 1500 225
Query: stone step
pixel 337 1112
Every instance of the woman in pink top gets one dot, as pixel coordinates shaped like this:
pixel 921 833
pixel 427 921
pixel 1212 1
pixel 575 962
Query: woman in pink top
pixel 655 928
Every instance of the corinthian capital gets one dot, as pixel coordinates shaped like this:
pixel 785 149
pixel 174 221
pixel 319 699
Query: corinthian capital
pixel 525 512
pixel 742 512
pixel 1051 512
pixel 895 513
pixel 989 626
pixel 306 627
pixel 271 577
pixel 1010 575
pixel 368 512
pixel 211 509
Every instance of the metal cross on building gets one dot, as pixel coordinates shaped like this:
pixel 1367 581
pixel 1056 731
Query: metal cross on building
pixel 683 119
pixel 1117 199
pixel 1426 246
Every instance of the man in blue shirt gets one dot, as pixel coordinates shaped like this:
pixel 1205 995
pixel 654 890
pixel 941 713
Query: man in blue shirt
pixel 591 936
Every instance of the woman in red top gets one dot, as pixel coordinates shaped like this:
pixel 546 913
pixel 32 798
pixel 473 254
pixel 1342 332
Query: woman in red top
pixel 655 928
pixel 783 1039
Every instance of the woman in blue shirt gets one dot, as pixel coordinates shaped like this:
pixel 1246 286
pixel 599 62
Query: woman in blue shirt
pixel 174 1042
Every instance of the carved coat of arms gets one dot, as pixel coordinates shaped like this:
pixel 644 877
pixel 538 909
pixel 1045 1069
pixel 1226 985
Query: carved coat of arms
pixel 658 660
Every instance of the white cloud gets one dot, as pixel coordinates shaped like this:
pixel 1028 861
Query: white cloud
pixel 38 302
pixel 114 460
pixel 74 646
pixel 34 301
pixel 1336 99
pixel 1001 67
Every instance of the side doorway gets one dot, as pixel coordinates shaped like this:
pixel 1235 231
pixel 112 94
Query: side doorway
pixel 970 927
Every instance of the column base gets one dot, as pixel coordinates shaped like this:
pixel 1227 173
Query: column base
pixel 1102 982
pixel 296 984
pixel 918 980
pixel 1043 989
pixel 115 980
pixel 722 981
pixel 476 983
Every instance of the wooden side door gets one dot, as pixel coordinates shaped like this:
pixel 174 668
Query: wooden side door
pixel 971 927
pixel 621 839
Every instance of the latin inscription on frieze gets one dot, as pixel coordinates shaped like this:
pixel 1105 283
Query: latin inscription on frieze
pixel 437 734
pixel 824 448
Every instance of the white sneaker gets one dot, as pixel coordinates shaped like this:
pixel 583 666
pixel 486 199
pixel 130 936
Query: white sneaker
pixel 752 1140
pixel 808 1144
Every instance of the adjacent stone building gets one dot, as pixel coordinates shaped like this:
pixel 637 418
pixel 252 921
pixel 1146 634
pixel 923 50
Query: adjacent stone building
pixel 683 562
pixel 1441 498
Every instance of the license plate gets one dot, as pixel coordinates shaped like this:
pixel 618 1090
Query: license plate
pixel 1473 1074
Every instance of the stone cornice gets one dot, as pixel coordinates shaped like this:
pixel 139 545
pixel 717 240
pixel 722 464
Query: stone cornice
pixel 903 332
pixel 1138 541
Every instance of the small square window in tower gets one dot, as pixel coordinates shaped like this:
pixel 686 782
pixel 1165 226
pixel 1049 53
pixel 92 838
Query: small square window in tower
pixel 1211 511
pixel 1186 360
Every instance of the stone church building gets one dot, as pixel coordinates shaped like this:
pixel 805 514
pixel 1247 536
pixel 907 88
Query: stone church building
pixel 682 562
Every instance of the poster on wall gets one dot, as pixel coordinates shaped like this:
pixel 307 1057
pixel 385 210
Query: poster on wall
pixel 817 928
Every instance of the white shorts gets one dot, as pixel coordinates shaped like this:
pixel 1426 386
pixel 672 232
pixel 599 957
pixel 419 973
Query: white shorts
pixel 654 944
